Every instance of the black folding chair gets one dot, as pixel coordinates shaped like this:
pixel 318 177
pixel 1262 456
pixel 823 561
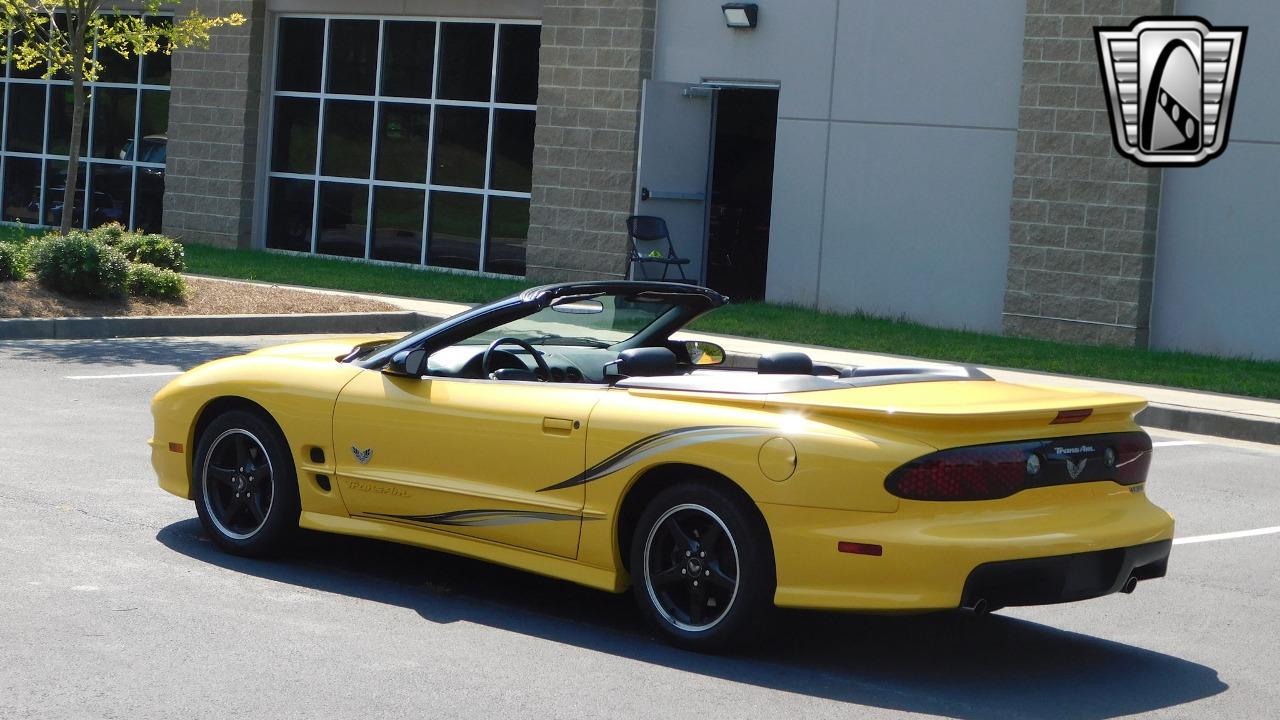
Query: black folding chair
pixel 647 233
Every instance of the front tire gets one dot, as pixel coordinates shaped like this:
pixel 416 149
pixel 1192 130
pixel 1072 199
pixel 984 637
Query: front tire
pixel 246 487
pixel 702 568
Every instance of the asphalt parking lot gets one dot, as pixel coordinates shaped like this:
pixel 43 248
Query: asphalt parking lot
pixel 116 605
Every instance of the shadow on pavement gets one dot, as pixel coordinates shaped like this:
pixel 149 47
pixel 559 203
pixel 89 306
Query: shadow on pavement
pixel 182 353
pixel 946 664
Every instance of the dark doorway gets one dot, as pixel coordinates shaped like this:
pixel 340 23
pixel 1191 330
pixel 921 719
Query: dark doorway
pixel 746 127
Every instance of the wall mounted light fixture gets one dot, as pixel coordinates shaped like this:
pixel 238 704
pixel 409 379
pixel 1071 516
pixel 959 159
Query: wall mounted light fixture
pixel 740 15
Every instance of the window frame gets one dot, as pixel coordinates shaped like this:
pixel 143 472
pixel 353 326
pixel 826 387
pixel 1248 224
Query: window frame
pixel 378 100
pixel 87 159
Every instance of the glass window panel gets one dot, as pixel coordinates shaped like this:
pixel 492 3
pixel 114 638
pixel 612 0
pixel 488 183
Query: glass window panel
pixel 461 136
pixel 289 214
pixel 148 211
pixel 22 190
pixel 299 54
pixel 116 68
pixel 508 233
pixel 113 118
pixel 466 61
pixel 32 73
pixel 157 68
pixel 293 142
pixel 344 216
pixel 110 188
pixel 353 56
pixel 60 102
pixel 55 185
pixel 348 138
pixel 155 126
pixel 518 63
pixel 26 117
pixel 397 225
pixel 408 52
pixel 455 230
pixel 403 132
pixel 512 150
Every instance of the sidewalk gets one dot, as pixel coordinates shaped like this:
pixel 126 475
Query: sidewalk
pixel 1205 413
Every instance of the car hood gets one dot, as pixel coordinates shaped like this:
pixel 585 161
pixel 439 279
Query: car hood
pixel 328 348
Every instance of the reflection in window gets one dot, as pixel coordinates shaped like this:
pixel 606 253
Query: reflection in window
pixel 299 48
pixel 397 225
pixel 455 230
pixel 348 137
pixel 353 56
pixel 124 145
pixel 407 55
pixel 508 233
pixel 289 223
pixel 344 210
pixel 402 121
pixel 403 132
pixel 512 150
pixel 461 135
pixel 466 61
pixel 293 146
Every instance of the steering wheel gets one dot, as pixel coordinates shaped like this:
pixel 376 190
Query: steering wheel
pixel 543 372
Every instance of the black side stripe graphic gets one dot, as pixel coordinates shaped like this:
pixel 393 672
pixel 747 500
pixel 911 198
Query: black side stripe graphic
pixel 479 518
pixel 654 444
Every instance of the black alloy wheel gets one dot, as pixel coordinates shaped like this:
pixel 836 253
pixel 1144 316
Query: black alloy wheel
pixel 246 487
pixel 702 567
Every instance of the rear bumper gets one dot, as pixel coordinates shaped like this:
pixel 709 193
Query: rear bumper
pixel 1043 545
pixel 1064 578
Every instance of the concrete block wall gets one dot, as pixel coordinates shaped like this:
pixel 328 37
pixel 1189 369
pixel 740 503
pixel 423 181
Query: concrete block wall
pixel 1083 219
pixel 213 130
pixel 595 55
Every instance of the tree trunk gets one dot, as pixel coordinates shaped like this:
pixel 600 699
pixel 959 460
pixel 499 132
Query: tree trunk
pixel 77 126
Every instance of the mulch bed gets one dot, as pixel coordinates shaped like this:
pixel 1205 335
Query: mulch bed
pixel 27 299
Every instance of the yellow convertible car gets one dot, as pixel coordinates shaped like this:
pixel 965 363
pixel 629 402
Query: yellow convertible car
pixel 565 431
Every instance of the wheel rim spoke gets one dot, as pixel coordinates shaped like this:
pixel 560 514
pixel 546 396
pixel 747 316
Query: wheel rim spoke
pixel 719 579
pixel 677 534
pixel 221 474
pixel 697 605
pixel 710 539
pixel 255 509
pixel 667 577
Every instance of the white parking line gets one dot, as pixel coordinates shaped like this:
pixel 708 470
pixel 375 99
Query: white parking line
pixel 1175 443
pixel 1226 535
pixel 125 375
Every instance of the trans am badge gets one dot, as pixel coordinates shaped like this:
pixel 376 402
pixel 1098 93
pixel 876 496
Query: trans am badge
pixel 362 456
pixel 1170 85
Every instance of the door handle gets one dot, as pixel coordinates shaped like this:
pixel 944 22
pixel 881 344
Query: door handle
pixel 559 426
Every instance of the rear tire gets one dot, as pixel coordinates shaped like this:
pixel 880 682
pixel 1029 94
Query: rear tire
pixel 246 488
pixel 702 568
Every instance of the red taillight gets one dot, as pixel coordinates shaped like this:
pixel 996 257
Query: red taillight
pixel 988 472
pixel 1133 458
pixel 976 473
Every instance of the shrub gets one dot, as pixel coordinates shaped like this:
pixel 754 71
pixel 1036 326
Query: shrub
pixel 13 261
pixel 77 265
pixel 155 250
pixel 110 234
pixel 150 281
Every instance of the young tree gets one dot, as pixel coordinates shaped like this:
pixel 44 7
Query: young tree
pixel 59 36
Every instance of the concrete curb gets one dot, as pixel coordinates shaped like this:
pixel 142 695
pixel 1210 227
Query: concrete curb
pixel 210 325
pixel 1165 417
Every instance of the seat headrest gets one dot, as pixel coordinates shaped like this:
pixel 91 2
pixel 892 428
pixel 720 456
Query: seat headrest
pixel 646 362
pixel 785 363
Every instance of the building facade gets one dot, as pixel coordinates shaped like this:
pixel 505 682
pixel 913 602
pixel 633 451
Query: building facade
pixel 946 162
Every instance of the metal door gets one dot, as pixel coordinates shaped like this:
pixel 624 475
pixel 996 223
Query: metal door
pixel 676 123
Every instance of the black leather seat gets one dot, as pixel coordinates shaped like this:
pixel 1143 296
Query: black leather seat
pixel 785 363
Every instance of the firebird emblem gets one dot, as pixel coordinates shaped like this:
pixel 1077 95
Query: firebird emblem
pixel 1074 469
pixel 362 456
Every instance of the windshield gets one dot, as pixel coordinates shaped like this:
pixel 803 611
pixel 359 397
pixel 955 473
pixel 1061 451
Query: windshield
pixel 586 321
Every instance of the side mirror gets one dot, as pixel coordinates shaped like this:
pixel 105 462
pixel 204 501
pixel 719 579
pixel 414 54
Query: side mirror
pixel 408 363
pixel 702 352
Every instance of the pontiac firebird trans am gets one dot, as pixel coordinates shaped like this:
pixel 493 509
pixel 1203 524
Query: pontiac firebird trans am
pixel 565 432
